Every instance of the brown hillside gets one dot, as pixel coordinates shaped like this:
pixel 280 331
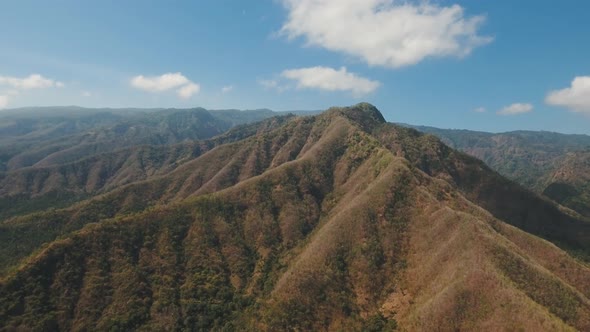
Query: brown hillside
pixel 38 188
pixel 334 222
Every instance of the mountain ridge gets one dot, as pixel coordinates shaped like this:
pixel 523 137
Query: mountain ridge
pixel 338 221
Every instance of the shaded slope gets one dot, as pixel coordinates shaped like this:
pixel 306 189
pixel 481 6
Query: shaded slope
pixel 524 156
pixel 569 185
pixel 537 160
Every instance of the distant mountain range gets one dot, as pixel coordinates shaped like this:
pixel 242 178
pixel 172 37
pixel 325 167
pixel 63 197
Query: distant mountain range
pixel 48 136
pixel 221 220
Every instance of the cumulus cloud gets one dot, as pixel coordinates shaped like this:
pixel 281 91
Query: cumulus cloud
pixel 185 88
pixel 518 108
pixel 480 110
pixel 227 88
pixel 390 33
pixel 575 98
pixel 16 85
pixel 34 81
pixel 189 90
pixel 329 79
pixel 159 83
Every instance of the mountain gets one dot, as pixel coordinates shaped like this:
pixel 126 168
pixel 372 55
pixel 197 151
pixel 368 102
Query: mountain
pixel 544 162
pixel 338 221
pixel 57 156
pixel 55 135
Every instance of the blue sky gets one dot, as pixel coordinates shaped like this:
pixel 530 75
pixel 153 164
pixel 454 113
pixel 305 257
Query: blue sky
pixel 522 64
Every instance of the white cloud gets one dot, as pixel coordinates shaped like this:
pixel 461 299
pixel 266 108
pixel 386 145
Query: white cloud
pixel 329 79
pixel 169 81
pixel 86 94
pixel 575 98
pixel 159 83
pixel 188 90
pixel 518 108
pixel 390 33
pixel 227 89
pixel 480 110
pixel 34 81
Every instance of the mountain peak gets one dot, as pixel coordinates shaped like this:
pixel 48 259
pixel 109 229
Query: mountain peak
pixel 364 114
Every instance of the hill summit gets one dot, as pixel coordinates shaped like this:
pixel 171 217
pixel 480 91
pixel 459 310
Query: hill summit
pixel 363 114
pixel 338 221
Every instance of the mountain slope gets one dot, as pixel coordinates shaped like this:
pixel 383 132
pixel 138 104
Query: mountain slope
pixel 36 188
pixel 158 128
pixel 332 222
pixel 57 135
pixel 569 185
pixel 221 167
pixel 504 199
pixel 534 159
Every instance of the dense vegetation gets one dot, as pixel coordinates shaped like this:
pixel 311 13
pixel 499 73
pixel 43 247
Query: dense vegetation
pixel 338 221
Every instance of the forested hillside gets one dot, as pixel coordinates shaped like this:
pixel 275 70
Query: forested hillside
pixel 338 221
